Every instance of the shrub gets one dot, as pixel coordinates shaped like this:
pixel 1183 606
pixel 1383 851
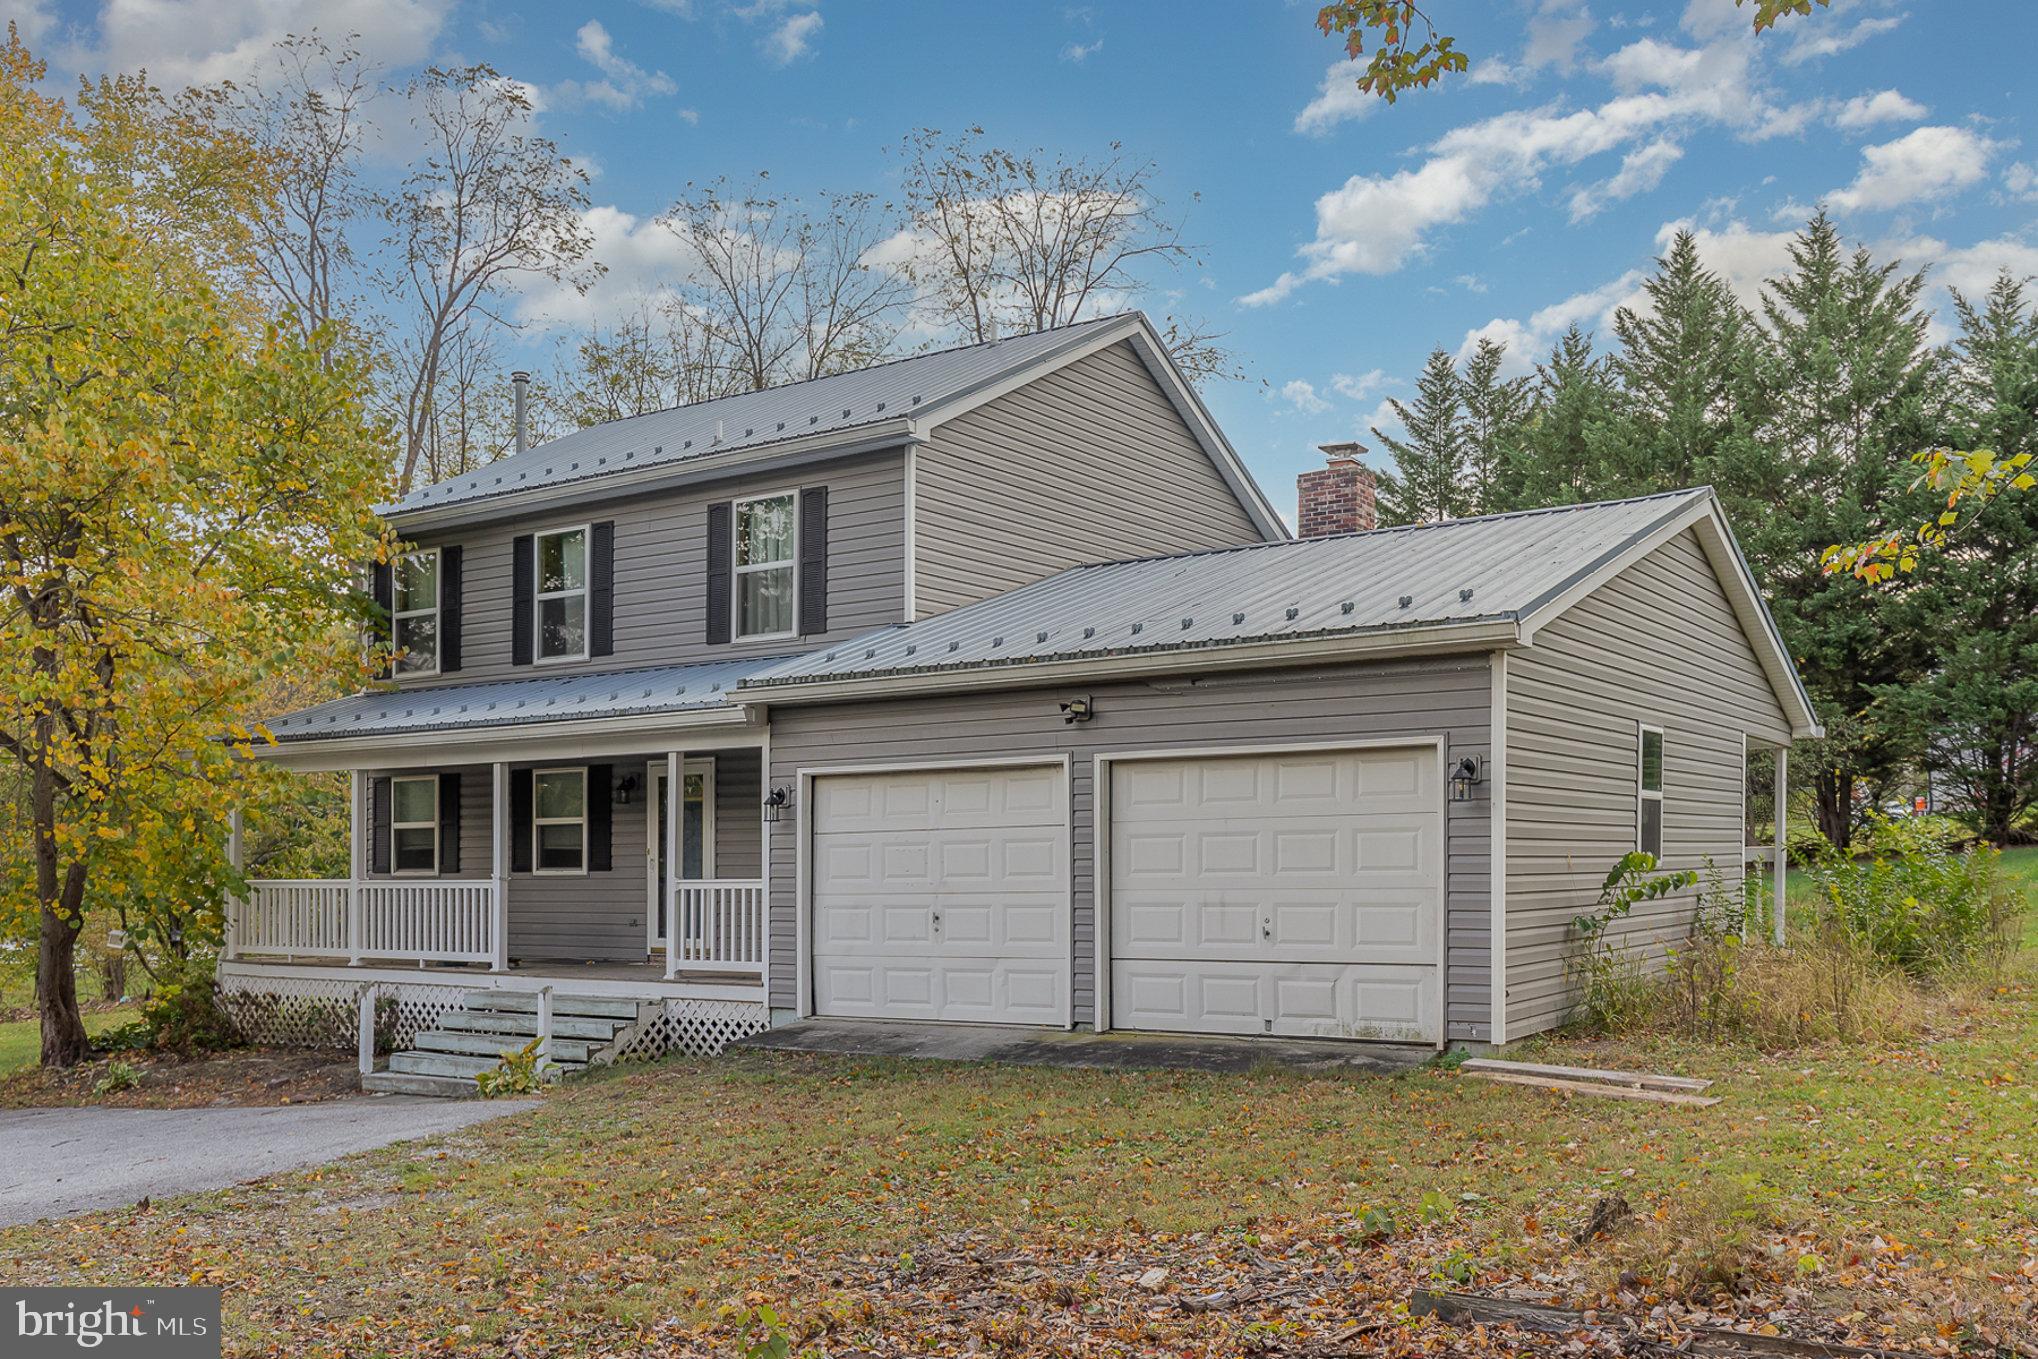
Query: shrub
pixel 1614 986
pixel 117 1077
pixel 519 1073
pixel 1709 1245
pixel 1917 904
pixel 182 1013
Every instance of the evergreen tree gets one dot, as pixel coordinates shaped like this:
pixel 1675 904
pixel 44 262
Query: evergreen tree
pixel 1496 410
pixel 1428 481
pixel 1847 394
pixel 1974 715
pixel 1557 456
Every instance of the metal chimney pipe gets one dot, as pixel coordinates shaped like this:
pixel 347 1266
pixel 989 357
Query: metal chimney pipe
pixel 520 385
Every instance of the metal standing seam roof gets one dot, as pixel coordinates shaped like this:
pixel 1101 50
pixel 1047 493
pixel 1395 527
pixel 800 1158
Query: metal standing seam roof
pixel 869 396
pixel 552 698
pixel 1460 571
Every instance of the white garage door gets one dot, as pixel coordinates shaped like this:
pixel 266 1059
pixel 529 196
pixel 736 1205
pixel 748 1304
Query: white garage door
pixel 942 895
pixel 1296 894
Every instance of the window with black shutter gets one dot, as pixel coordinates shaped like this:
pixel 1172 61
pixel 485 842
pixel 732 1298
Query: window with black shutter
pixel 523 607
pixel 721 547
pixel 601 603
pixel 813 561
pixel 381 589
pixel 520 820
pixel 451 562
pixel 378 825
pixel 449 823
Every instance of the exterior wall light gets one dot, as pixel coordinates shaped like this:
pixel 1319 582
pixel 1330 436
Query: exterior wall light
pixel 1467 774
pixel 1077 710
pixel 776 801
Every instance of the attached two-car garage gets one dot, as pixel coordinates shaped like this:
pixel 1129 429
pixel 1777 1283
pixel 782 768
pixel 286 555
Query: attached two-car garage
pixel 1294 892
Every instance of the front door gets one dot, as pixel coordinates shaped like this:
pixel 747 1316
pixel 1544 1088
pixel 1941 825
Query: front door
pixel 696 835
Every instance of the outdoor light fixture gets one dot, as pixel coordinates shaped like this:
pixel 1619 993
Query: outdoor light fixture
pixel 1077 710
pixel 1469 772
pixel 625 786
pixel 776 801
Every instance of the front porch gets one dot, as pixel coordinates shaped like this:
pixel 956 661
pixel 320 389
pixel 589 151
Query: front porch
pixel 553 868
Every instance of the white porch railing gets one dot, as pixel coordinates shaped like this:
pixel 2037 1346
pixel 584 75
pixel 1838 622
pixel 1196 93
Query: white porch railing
pixel 421 922
pixel 715 925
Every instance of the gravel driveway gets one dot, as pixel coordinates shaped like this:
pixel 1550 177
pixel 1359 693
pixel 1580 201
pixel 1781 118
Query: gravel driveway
pixel 60 1162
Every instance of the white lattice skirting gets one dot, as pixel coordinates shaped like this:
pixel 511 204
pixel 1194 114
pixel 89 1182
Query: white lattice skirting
pixel 322 1012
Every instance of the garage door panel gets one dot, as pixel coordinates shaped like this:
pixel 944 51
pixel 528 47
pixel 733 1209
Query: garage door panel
pixel 1277 894
pixel 942 895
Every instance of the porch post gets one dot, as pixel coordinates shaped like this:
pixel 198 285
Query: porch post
pixel 1782 858
pixel 499 834
pixel 357 863
pixel 234 904
pixel 675 798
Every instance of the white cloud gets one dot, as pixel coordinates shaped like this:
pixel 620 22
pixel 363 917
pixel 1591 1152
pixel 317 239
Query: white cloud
pixel 1640 171
pixel 211 40
pixel 1555 32
pixel 1339 99
pixel 793 38
pixel 34 19
pixel 1530 340
pixel 644 261
pixel 2021 181
pixel 624 84
pixel 1375 224
pixel 1302 396
pixel 679 9
pixel 1821 35
pixel 1928 162
pixel 1383 420
pixel 691 117
pixel 1081 51
pixel 1360 387
pixel 1884 106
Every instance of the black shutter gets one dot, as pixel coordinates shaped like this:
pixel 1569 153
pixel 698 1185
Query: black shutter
pixel 378 825
pixel 601 604
pixel 523 602
pixel 449 608
pixel 383 586
pixel 813 561
pixel 721 569
pixel 520 820
pixel 600 779
pixel 449 823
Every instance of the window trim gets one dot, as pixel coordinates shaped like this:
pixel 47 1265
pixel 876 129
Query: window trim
pixel 396 615
pixel 737 570
pixel 537 858
pixel 540 595
pixel 396 825
pixel 1644 794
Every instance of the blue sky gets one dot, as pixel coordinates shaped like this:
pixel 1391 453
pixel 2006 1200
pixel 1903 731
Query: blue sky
pixel 1340 240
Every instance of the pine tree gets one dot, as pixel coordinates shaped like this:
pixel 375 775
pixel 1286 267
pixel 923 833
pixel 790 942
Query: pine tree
pixel 1496 410
pixel 1428 481
pixel 1974 714
pixel 1557 458
pixel 1848 395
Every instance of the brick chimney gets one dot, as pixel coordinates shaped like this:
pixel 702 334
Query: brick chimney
pixel 1337 498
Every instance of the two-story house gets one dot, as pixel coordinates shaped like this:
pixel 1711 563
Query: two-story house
pixel 987 686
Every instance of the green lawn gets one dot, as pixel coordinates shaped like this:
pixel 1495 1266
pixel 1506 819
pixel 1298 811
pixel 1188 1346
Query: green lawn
pixel 21 1040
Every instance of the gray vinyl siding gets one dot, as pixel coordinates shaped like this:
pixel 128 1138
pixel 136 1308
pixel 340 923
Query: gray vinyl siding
pixel 661 571
pixel 1659 644
pixel 600 916
pixel 1090 463
pixel 1419 700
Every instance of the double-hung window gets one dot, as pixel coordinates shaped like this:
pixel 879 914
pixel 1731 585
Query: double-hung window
pixel 561 598
pixel 414 612
pixel 1649 792
pixel 559 823
pixel 765 552
pixel 414 825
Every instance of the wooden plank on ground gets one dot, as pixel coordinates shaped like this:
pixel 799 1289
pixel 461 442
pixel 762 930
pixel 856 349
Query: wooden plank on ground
pixel 1473 1309
pixel 1643 1079
pixel 1597 1088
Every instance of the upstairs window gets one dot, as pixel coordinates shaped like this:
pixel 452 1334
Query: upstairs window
pixel 414 825
pixel 766 549
pixel 414 612
pixel 1649 793
pixel 561 598
pixel 559 825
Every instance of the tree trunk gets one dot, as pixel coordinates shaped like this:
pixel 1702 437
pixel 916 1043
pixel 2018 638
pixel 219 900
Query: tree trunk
pixel 1834 795
pixel 64 1041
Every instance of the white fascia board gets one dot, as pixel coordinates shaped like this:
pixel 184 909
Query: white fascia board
pixel 1153 352
pixel 1435 639
pixel 646 732
pixel 1703 515
pixel 785 453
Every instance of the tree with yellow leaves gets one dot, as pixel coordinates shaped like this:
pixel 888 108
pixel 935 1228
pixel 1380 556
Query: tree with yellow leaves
pixel 186 492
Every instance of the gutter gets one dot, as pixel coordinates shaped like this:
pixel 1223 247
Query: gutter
pixel 478 734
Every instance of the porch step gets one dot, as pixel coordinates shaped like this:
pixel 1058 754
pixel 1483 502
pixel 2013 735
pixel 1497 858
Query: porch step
pixel 564 1050
pixel 403 1083
pixel 525 1027
pixel 526 1003
pixel 413 1062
